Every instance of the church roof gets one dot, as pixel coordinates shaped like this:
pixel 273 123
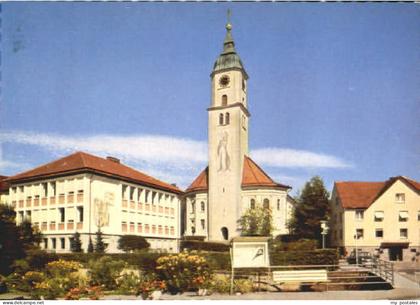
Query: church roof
pixel 228 59
pixel 4 186
pixel 83 162
pixel 252 176
pixel 361 195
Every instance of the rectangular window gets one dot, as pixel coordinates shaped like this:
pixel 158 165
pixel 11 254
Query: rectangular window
pixel 203 224
pixel 359 214
pixel 45 243
pixel 54 243
pixel 359 233
pixel 132 193
pixel 278 204
pixel 400 198
pixel 203 206
pixel 80 212
pixel 404 233
pixel 123 190
pixel 379 233
pixel 62 214
pixel 403 216
pixel 418 216
pixel 53 188
pixel 379 216
pixel 45 189
pixel 63 243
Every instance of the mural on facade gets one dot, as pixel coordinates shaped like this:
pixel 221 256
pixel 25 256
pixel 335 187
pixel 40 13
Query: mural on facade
pixel 101 209
pixel 222 153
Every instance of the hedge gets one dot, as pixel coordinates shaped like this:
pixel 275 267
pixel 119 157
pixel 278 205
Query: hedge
pixel 204 246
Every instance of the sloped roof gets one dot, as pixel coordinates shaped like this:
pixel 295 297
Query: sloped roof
pixel 360 195
pixel 4 186
pixel 200 183
pixel 252 176
pixel 80 161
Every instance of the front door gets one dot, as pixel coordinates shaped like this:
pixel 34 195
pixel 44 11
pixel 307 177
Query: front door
pixel 395 253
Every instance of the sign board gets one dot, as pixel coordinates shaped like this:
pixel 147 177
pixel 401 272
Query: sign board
pixel 250 252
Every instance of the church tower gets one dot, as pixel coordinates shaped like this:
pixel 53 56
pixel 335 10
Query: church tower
pixel 228 141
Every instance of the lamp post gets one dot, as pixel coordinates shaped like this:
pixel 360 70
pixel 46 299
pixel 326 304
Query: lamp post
pixel 324 231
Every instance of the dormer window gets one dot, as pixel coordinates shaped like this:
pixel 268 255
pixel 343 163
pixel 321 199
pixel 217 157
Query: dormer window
pixel 224 100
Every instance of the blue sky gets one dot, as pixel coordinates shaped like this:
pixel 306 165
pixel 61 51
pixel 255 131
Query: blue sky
pixel 333 89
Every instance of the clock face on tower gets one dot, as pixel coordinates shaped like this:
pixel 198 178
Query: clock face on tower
pixel 224 80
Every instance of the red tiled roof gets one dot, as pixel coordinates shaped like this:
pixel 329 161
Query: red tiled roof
pixel 200 183
pixel 355 195
pixel 360 195
pixel 4 186
pixel 81 161
pixel 252 176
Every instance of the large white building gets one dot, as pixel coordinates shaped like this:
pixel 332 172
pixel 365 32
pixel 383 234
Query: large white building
pixel 232 182
pixel 85 193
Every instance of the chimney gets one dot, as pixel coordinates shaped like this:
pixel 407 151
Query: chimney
pixel 113 159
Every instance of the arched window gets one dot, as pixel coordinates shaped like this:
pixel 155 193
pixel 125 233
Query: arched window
pixel 227 118
pixel 266 203
pixel 252 205
pixel 221 119
pixel 225 233
pixel 203 206
pixel 224 100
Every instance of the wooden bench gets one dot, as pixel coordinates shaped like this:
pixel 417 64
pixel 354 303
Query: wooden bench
pixel 300 276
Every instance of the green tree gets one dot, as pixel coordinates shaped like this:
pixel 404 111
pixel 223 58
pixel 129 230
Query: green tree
pixel 90 246
pixel 256 222
pixel 100 246
pixel 129 243
pixel 312 206
pixel 30 236
pixel 76 243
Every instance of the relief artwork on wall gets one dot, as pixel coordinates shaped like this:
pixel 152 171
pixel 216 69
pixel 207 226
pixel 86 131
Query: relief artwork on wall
pixel 101 209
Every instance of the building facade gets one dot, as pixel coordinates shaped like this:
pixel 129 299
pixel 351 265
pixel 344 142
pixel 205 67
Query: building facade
pixel 232 182
pixel 382 218
pixel 84 193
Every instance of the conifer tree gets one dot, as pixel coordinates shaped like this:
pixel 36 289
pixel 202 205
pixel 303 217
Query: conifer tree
pixel 76 244
pixel 90 246
pixel 100 246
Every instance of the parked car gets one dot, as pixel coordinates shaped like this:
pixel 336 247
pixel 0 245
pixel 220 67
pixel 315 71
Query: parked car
pixel 364 258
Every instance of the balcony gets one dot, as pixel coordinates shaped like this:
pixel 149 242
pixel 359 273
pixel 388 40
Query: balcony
pixel 61 199
pixel 172 211
pixel 132 205
pixel 44 201
pixel 140 206
pixel 166 231
pixel 14 203
pixel 172 231
pixel 28 202
pixel 21 203
pixel 79 226
pixel 70 226
pixel 52 200
pixel 139 229
pixel 52 226
pixel 166 211
pixel 61 226
pixel 36 202
pixel 131 228
pixel 70 198
pixel 124 227
pixel 147 207
pixel 160 209
pixel 44 226
pixel 154 208
pixel 124 204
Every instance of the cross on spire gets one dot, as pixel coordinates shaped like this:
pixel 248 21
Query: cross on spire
pixel 229 14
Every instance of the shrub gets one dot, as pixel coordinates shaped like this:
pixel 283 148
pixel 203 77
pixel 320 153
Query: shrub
pixel 220 284
pixel 128 283
pixel 204 246
pixel 30 279
pixel 129 243
pixel 3 284
pixel 38 259
pixel 76 243
pixel 61 276
pixel 148 285
pixel 93 293
pixel 194 237
pixel 106 271
pixel 218 260
pixel 243 285
pixel 184 271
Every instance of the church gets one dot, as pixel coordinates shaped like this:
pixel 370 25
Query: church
pixel 232 182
